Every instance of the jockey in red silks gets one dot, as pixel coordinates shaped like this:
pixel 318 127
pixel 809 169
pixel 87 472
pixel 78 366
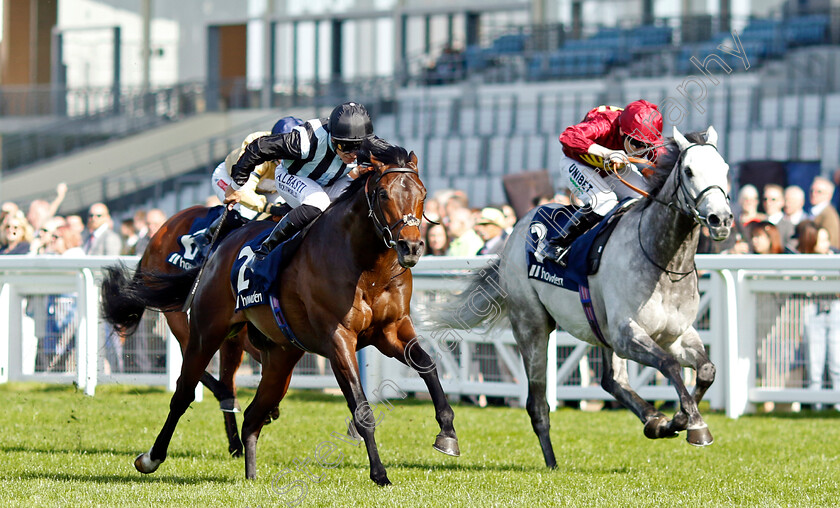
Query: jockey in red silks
pixel 594 150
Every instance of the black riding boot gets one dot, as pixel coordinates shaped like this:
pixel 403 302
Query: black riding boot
pixel 232 221
pixel 580 222
pixel 290 224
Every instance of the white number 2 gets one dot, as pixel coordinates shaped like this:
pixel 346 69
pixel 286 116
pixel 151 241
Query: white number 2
pixel 241 282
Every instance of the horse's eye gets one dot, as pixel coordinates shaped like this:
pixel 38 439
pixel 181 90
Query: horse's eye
pixel 383 194
pixel 688 172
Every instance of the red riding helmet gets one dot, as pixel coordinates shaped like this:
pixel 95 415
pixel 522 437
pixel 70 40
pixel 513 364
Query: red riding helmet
pixel 642 121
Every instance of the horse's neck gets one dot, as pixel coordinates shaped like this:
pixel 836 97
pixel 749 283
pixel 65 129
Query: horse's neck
pixel 367 249
pixel 669 236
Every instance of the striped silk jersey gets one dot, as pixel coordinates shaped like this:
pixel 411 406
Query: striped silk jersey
pixel 305 151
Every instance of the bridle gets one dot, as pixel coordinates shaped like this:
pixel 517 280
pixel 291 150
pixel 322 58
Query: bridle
pixel 686 205
pixel 385 231
pixel 686 200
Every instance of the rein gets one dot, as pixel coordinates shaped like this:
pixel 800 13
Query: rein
pixel 385 231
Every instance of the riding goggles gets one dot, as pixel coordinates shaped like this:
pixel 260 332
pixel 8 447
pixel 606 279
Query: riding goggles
pixel 348 146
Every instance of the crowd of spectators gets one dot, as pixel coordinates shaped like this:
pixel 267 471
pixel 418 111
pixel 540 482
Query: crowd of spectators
pixel 42 231
pixel 771 220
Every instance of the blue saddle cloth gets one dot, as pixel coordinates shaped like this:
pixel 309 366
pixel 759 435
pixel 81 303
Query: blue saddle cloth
pixel 582 260
pixel 191 252
pixel 255 286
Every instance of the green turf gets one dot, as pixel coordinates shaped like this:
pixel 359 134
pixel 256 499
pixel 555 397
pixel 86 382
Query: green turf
pixel 61 448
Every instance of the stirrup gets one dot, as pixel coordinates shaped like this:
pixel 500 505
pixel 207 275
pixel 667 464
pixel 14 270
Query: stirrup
pixel 546 250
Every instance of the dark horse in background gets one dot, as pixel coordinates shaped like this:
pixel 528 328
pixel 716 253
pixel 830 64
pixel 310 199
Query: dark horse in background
pixel 125 313
pixel 347 287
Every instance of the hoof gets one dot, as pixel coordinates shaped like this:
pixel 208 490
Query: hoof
pixel 381 480
pixel 230 406
pixel 447 445
pixel 235 452
pixel 655 428
pixel 699 437
pixel 145 464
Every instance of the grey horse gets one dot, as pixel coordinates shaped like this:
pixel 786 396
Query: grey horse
pixel 645 295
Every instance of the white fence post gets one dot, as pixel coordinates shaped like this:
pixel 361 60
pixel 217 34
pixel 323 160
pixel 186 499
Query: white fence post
pixel 5 311
pixel 551 372
pixel 88 305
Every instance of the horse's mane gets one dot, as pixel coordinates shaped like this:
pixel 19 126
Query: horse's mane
pixel 666 162
pixel 382 151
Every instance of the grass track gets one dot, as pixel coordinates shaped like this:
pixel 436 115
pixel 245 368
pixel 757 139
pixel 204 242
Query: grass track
pixel 60 448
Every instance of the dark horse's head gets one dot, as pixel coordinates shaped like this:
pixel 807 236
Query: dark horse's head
pixel 395 198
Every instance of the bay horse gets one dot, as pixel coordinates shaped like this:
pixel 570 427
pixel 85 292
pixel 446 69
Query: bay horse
pixel 645 295
pixel 124 313
pixel 347 287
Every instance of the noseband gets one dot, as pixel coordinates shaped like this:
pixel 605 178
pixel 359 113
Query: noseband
pixel 685 198
pixel 385 231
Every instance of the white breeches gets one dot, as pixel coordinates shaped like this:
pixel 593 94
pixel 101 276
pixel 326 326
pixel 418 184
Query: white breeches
pixel 222 180
pixel 600 193
pixel 299 190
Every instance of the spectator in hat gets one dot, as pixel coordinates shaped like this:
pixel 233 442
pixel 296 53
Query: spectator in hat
pixel 490 226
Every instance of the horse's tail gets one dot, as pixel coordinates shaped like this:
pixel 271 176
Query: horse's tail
pixel 124 299
pixel 483 302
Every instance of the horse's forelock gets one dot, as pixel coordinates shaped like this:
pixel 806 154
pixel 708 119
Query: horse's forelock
pixel 384 152
pixel 666 162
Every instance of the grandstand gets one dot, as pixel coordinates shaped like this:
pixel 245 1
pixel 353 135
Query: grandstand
pixel 477 92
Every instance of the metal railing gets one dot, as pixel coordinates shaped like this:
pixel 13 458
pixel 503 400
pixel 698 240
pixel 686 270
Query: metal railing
pixel 738 323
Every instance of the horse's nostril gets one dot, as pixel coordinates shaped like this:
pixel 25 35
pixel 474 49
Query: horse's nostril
pixel 714 220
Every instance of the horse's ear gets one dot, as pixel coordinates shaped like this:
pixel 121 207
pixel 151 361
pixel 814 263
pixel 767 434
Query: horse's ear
pixel 374 162
pixel 412 160
pixel 711 136
pixel 682 142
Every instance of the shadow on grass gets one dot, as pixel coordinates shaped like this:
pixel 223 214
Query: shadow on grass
pixel 132 453
pixel 192 479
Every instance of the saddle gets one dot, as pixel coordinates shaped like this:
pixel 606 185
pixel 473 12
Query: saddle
pixel 255 286
pixel 584 256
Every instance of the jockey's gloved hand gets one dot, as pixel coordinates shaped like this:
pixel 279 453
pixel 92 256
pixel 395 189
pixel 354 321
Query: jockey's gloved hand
pixel 615 160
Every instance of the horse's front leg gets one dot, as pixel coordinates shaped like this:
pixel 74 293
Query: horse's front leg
pixel 346 370
pixel 400 341
pixel 616 382
pixel 635 344
pixel 689 351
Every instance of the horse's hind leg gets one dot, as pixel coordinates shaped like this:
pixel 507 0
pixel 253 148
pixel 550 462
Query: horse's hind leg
pixel 400 343
pixel 223 390
pixel 196 358
pixel 276 376
pixel 230 358
pixel 531 326
pixel 615 381
pixel 180 327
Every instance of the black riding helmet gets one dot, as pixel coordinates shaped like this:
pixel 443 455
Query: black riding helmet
pixel 350 123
